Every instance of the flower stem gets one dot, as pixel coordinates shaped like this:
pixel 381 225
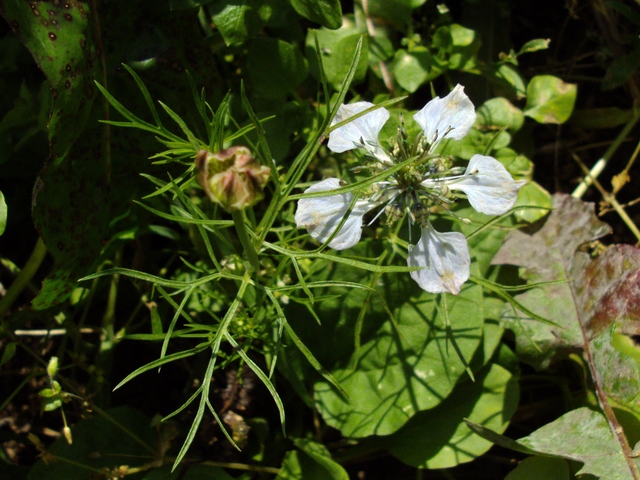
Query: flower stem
pixel 243 234
pixel 24 277
pixel 588 179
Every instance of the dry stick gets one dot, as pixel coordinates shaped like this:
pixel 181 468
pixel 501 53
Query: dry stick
pixel 611 199
pixel 623 205
pixel 630 163
pixel 52 333
pixel 597 169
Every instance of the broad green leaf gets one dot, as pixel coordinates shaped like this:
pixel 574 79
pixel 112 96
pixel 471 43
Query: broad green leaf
pixel 275 67
pixel 398 373
pixel 397 12
pixel 381 49
pixel 414 69
pixel 60 39
pixel 53 404
pixel 510 75
pixel 518 165
pixel 439 438
pixel 241 20
pixel 461 36
pixel 8 352
pixel 581 435
pixel 485 236
pixel 458 45
pixel 338 62
pixel 541 467
pixel 493 331
pixel 327 13
pixel 311 462
pixel 320 455
pixel 549 99
pixel 291 468
pixel 534 45
pixel 533 194
pixel 500 112
pixel 69 207
pixel 337 48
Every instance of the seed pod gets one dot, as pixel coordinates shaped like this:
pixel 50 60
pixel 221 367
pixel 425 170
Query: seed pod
pixel 232 177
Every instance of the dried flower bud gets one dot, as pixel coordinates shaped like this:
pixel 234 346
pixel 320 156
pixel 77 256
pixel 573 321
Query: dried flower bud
pixel 232 177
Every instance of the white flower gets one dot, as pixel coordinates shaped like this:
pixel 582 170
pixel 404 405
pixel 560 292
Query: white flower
pixel 490 189
pixel 322 215
pixel 360 133
pixel 448 117
pixel 444 258
pixel 427 180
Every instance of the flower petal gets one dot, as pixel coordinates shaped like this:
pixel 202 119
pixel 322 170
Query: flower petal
pixel 488 185
pixel 322 215
pixel 445 257
pixel 365 128
pixel 448 117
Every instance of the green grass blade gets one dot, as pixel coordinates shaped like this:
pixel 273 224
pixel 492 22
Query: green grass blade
pixel 161 361
pixel 262 138
pixel 145 94
pixel 146 277
pixel 195 143
pixel 261 375
pixel 206 383
pixel 185 404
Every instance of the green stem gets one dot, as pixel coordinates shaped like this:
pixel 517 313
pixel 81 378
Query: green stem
pixel 587 181
pixel 108 319
pixel 249 249
pixel 24 277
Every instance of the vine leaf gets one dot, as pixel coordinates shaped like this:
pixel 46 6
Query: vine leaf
pixel 581 435
pixel 69 210
pixel 596 310
pixel 599 300
pixel 551 254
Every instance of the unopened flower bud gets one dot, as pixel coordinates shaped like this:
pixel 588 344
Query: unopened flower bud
pixel 52 367
pixel 232 177
pixel 68 435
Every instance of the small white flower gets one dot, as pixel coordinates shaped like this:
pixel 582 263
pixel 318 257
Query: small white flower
pixel 322 215
pixel 448 117
pixel 444 258
pixel 426 181
pixel 490 189
pixel 360 133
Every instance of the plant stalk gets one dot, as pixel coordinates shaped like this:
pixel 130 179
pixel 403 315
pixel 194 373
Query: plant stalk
pixel 597 169
pixel 24 277
pixel 243 235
